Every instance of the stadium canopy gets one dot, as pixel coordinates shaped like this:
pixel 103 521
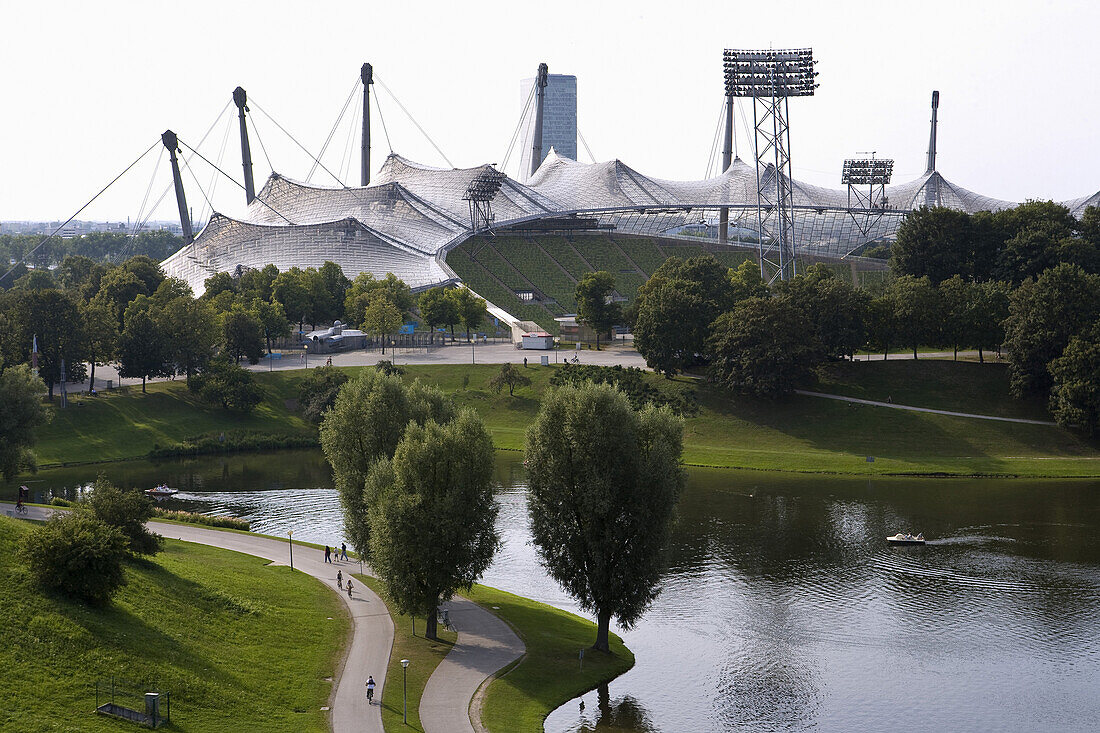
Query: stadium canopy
pixel 407 220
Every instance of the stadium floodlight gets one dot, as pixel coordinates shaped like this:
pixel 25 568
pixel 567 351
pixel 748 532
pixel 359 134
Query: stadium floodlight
pixel 867 205
pixel 480 193
pixel 770 78
pixel 867 171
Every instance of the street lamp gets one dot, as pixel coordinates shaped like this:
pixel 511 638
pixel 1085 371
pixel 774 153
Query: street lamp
pixel 290 534
pixel 405 684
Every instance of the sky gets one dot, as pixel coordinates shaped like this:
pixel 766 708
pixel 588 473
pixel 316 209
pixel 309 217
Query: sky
pixel 88 87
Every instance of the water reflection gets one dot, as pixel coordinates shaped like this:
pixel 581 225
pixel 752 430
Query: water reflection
pixel 783 608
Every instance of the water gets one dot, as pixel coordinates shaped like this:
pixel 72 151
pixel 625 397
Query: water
pixel 784 609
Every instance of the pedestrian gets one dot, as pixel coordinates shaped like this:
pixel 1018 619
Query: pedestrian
pixel 340 578
pixel 343 550
pixel 349 587
pixel 525 362
pixel 370 690
pixel 328 557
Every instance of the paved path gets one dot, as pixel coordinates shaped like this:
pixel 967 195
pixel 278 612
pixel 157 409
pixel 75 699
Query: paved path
pixel 922 409
pixel 372 630
pixel 485 644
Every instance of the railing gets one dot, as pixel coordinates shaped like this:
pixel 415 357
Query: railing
pixel 140 702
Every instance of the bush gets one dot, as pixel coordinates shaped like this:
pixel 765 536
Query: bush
pixel 203 519
pixel 228 384
pixel 318 391
pixel 77 554
pixel 631 381
pixel 233 440
pixel 128 511
pixel 388 368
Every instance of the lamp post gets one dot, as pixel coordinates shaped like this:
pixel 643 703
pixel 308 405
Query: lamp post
pixel 290 534
pixel 405 685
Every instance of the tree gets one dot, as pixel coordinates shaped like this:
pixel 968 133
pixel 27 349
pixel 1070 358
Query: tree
pixel 128 511
pixel 143 348
pixel 318 391
pixel 256 284
pixel 101 332
pixel 273 320
pixel 882 326
pixel 21 413
pixel 52 319
pixel 226 383
pixel 745 282
pixel 832 309
pixel 364 289
pixel 1075 397
pixel 75 271
pixel 218 283
pixel 335 286
pixel 917 310
pixel 595 308
pixel 604 482
pixel 290 290
pixel 172 288
pixel 1044 314
pixel 364 425
pixel 145 269
pixel 242 334
pixel 36 280
pixel 118 288
pixel 760 347
pixel 989 309
pixel 190 332
pixel 509 376
pixel 432 515
pixel 382 318
pixel 437 309
pixel 472 310
pixel 77 554
pixel 675 308
pixel 934 242
pixel 959 322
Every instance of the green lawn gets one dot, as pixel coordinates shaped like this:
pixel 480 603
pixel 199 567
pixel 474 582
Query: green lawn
pixel 550 673
pixel 731 431
pixel 424 656
pixel 240 645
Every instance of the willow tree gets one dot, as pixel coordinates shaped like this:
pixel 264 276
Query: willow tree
pixel 604 481
pixel 365 425
pixel 432 515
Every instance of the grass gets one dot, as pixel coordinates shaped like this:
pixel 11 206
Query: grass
pixel 125 423
pixel 550 673
pixel 806 434
pixel 240 645
pixel 424 656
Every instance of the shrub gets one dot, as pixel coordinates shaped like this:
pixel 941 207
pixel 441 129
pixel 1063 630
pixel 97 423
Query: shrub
pixel 128 511
pixel 631 381
pixel 225 383
pixel 77 554
pixel 388 368
pixel 233 440
pixel 318 391
pixel 204 519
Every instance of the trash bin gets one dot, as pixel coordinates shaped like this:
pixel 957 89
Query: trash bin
pixel 544 360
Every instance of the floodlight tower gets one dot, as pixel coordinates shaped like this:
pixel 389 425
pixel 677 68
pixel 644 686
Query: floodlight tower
pixel 866 206
pixel 480 193
pixel 771 78
pixel 367 75
pixel 240 98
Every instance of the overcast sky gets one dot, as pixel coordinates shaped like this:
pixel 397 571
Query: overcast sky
pixel 89 86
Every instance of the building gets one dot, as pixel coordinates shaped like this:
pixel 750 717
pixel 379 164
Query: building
pixel 559 119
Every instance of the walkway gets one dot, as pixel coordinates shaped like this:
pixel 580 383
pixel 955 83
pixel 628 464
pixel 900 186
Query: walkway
pixel 922 409
pixel 485 644
pixel 372 630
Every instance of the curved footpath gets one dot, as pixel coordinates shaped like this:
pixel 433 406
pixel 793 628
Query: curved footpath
pixel 485 645
pixel 372 630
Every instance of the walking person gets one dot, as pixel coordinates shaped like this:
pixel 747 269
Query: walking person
pixel 343 550
pixel 370 690
pixel 328 556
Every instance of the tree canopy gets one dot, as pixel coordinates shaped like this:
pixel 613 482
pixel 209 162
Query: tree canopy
pixel 595 307
pixel 21 413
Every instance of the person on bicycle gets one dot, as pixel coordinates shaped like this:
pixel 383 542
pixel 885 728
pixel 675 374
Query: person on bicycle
pixel 370 690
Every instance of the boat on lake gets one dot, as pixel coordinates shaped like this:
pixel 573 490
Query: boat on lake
pixel 162 490
pixel 906 539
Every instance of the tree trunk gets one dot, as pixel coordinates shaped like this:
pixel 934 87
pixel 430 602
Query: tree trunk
pixel 603 625
pixel 91 380
pixel 429 628
pixel 981 357
pixel 597 340
pixel 914 351
pixel 143 384
pixel 956 352
pixel 467 334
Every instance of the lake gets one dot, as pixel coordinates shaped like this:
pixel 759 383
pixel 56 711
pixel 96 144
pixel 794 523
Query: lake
pixel 783 607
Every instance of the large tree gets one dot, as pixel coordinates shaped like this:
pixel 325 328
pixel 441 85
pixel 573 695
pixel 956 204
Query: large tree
pixel 366 287
pixel 604 481
pixel 934 242
pixel 101 332
pixel 833 311
pixel 595 307
pixel 761 347
pixel 382 318
pixel 190 332
pixel 1075 397
pixel 432 515
pixel 243 334
pixel 143 348
pixel 365 424
pixel 472 310
pixel 21 412
pixel 1044 314
pixel 272 319
pixel 918 310
pixel 989 309
pixel 52 319
pixel 437 308
pixel 290 289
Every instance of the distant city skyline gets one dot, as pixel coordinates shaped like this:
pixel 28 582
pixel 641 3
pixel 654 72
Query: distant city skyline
pixel 84 107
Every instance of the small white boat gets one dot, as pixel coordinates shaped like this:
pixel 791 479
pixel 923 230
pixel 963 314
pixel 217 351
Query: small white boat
pixel 906 539
pixel 161 490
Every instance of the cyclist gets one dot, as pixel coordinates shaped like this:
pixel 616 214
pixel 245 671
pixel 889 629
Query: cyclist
pixel 370 690
pixel 19 508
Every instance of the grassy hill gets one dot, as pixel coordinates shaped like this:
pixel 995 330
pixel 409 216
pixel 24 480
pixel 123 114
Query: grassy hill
pixel 238 644
pixel 796 434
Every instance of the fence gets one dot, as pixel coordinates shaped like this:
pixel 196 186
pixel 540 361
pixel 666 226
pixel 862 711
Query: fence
pixel 139 702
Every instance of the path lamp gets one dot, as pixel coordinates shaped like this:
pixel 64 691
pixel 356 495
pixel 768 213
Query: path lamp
pixel 405 685
pixel 290 534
